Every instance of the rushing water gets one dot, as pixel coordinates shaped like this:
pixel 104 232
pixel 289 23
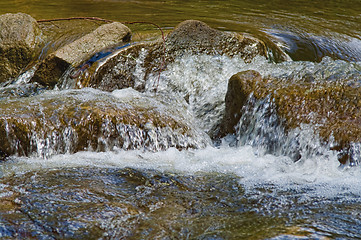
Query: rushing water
pixel 229 191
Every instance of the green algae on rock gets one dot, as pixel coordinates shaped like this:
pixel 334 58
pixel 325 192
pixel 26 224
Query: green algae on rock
pixel 332 107
pixel 79 120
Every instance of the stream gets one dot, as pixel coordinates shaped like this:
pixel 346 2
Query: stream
pixel 165 186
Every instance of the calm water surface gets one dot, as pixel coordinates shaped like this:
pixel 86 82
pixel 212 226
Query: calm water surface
pixel 308 30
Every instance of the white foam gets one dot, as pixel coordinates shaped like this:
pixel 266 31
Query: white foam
pixel 321 175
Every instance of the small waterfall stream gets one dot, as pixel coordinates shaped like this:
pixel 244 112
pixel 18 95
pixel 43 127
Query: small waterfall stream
pixel 91 162
pixel 250 176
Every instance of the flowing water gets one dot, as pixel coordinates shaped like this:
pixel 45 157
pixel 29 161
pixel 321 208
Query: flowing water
pixel 236 189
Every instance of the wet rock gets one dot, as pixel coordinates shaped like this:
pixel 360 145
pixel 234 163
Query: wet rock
pixel 24 90
pixel 79 120
pixel 197 37
pixel 333 108
pixel 3 155
pixel 125 203
pixel 240 86
pixel 74 53
pixel 20 37
pixel 120 70
pixel 190 37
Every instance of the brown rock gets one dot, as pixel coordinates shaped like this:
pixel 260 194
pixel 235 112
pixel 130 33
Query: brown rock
pixel 189 37
pixel 332 108
pixel 81 120
pixel 74 53
pixel 197 37
pixel 239 87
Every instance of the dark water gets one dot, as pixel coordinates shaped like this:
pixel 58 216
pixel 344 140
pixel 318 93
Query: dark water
pixel 135 203
pixel 129 203
pixel 214 193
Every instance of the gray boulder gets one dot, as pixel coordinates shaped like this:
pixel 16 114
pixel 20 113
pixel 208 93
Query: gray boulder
pixel 20 37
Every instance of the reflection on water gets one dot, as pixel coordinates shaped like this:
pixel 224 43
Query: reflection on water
pixel 308 30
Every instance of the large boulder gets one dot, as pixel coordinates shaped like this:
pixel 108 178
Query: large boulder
pixel 20 37
pixel 197 37
pixel 190 37
pixel 333 108
pixel 76 52
pixel 78 120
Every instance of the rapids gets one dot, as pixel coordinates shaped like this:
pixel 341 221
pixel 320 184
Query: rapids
pixel 245 186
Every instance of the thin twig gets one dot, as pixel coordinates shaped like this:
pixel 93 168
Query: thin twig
pixel 74 18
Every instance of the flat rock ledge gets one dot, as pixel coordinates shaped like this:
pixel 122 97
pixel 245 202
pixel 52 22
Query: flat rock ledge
pixel 91 120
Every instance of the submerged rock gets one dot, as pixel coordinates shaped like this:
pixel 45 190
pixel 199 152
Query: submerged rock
pixel 20 37
pixel 74 53
pixel 24 90
pixel 80 120
pixel 190 37
pixel 333 108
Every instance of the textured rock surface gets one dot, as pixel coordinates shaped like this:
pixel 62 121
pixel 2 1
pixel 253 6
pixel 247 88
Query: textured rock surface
pixel 78 120
pixel 332 107
pixel 74 53
pixel 188 38
pixel 239 88
pixel 20 37
pixel 116 72
pixel 197 37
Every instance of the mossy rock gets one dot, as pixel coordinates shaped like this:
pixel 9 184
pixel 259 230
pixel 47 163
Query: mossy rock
pixel 117 71
pixel 79 120
pixel 197 37
pixel 333 108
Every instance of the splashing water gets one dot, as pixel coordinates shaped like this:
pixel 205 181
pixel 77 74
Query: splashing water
pixel 250 177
